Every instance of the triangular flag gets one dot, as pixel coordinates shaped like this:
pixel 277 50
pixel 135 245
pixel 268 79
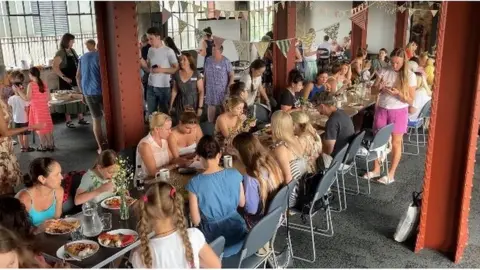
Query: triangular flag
pixel 402 9
pixel 181 26
pixel 283 4
pixel 244 15
pixel 171 3
pixel 195 10
pixel 262 47
pixel 253 13
pixel 217 14
pixel 411 11
pixel 275 7
pixel 430 4
pixel 183 6
pixel 218 41
pixel 165 15
pixel 284 45
pixel 240 46
pixel 434 12
pixel 311 5
pixel 236 14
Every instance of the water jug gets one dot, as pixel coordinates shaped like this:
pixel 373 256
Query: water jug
pixel 91 223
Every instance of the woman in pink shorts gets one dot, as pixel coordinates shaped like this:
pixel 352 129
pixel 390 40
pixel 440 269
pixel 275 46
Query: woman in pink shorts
pixel 396 85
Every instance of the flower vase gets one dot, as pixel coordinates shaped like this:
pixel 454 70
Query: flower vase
pixel 124 209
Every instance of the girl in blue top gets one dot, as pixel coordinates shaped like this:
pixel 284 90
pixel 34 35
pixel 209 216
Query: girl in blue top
pixel 43 195
pixel 214 197
pixel 316 86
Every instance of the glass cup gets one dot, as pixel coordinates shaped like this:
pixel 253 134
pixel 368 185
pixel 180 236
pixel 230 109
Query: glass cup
pixel 106 221
pixel 76 234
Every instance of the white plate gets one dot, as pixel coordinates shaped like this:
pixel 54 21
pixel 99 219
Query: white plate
pixel 104 204
pixel 120 231
pixel 67 219
pixel 63 256
pixel 81 241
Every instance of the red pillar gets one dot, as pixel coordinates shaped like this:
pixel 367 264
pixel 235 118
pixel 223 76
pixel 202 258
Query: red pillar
pixel 120 71
pixel 453 132
pixel 359 35
pixel 401 25
pixel 284 23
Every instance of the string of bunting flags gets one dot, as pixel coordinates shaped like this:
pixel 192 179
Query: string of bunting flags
pixel 357 15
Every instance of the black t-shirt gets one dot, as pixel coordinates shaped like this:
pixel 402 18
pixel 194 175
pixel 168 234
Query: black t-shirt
pixel 145 51
pixel 340 128
pixel 288 99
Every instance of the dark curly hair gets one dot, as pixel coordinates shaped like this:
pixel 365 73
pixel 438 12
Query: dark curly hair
pixel 208 147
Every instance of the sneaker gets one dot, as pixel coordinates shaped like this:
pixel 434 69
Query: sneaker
pixel 83 122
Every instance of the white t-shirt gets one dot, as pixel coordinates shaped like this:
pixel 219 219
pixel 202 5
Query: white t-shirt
pixel 325 45
pixel 18 109
pixel 313 48
pixel 390 77
pixel 252 93
pixel 169 252
pixel 163 57
pixel 421 98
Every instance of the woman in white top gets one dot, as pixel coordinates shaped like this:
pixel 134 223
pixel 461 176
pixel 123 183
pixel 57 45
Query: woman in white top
pixel 184 137
pixel 173 246
pixel 253 82
pixel 423 94
pixel 152 151
pixel 396 87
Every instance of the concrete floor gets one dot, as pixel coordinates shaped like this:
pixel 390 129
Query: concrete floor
pixel 363 233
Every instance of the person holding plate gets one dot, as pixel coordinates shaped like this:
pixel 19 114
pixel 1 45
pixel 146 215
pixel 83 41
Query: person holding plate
pixel 96 184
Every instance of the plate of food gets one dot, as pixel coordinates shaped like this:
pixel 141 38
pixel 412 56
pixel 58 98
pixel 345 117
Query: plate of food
pixel 81 249
pixel 114 202
pixel 61 226
pixel 63 255
pixel 118 238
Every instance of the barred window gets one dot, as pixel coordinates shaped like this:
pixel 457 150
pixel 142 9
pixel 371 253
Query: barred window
pixel 260 21
pixel 31 31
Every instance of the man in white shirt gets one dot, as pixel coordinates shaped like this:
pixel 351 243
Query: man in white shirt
pixel 162 63
pixel 326 44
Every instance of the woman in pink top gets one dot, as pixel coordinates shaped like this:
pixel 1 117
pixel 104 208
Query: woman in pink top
pixel 38 95
pixel 396 85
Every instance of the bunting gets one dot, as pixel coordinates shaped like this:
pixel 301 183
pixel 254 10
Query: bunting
pixel 430 4
pixel 402 9
pixel 262 47
pixel 245 15
pixel 181 26
pixel 283 4
pixel 359 16
pixel 284 46
pixel 165 15
pixel 171 3
pixel 217 14
pixel 411 11
pixel 184 6
pixel 218 41
pixel 240 46
pixel 434 12
pixel 195 10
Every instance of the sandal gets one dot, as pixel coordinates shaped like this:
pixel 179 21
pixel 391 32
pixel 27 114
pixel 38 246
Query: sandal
pixel 30 149
pixel 83 122
pixel 385 180
pixel 41 149
pixel 69 124
pixel 23 149
pixel 370 175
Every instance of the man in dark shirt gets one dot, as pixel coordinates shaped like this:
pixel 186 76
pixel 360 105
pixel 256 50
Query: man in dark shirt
pixel 339 129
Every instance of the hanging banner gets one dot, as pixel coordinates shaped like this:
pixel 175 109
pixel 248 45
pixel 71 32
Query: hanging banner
pixel 430 4
pixel 181 26
pixel 284 46
pixel 332 31
pixel 434 12
pixel 184 6
pixel 262 47
pixel 218 41
pixel 359 16
pixel 283 4
pixel 402 9
pixel 231 14
pixel 195 10
pixel 411 11
pixel 236 14
pixel 275 7
pixel 165 15
pixel 243 15
pixel 240 46
pixel 217 14
pixel 171 3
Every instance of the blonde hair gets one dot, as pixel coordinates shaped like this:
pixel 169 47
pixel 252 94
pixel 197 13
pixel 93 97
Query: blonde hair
pixel 422 83
pixel 403 72
pixel 158 119
pixel 161 201
pixel 233 102
pixel 302 121
pixel 282 130
pixel 257 160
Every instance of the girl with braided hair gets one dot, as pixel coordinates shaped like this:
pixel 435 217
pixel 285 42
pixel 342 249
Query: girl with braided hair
pixel 173 246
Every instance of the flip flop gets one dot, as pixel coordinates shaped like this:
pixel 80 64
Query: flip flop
pixel 385 180
pixel 370 175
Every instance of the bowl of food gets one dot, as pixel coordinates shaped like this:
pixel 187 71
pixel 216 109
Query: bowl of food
pixel 61 226
pixel 118 238
pixel 81 249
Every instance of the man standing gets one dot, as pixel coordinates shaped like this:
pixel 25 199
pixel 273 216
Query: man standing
pixel 90 83
pixel 162 63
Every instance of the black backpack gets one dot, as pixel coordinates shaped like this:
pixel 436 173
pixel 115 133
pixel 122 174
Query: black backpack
pixel 307 186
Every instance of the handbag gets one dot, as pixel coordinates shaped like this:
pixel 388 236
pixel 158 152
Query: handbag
pixel 409 220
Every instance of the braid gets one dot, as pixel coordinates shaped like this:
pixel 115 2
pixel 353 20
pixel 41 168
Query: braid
pixel 143 229
pixel 181 227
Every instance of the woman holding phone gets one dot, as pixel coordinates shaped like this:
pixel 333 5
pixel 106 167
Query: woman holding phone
pixel 396 86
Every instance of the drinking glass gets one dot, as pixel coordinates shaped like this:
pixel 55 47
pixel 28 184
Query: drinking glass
pixel 106 221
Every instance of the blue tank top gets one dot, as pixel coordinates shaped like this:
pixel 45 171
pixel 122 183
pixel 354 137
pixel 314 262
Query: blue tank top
pixel 316 90
pixel 38 217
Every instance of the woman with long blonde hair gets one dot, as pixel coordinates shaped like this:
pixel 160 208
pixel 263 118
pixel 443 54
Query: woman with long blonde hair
pixel 423 94
pixel 308 137
pixel 290 154
pixel 173 246
pixel 396 86
pixel 263 176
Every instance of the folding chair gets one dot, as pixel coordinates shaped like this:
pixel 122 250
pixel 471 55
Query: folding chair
pixel 376 149
pixel 349 163
pixel 257 238
pixel 414 127
pixel 339 158
pixel 322 189
pixel 280 200
pixel 218 245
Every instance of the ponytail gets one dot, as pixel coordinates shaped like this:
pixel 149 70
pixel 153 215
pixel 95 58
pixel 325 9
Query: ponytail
pixel 35 72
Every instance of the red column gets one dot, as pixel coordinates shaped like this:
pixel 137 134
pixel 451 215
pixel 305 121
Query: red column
pixel 453 132
pixel 359 35
pixel 120 71
pixel 401 25
pixel 284 23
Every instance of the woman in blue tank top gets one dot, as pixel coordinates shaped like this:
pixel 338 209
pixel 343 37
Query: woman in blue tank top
pixel 43 195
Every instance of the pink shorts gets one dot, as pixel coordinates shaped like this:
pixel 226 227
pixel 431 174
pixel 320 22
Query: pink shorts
pixel 397 117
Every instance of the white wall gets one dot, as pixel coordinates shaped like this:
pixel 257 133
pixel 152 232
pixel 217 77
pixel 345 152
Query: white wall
pixel 380 30
pixel 321 19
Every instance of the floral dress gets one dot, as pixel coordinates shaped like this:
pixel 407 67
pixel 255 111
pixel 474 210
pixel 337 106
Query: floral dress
pixel 10 174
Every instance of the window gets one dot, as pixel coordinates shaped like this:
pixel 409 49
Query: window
pixel 30 31
pixel 186 40
pixel 260 21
